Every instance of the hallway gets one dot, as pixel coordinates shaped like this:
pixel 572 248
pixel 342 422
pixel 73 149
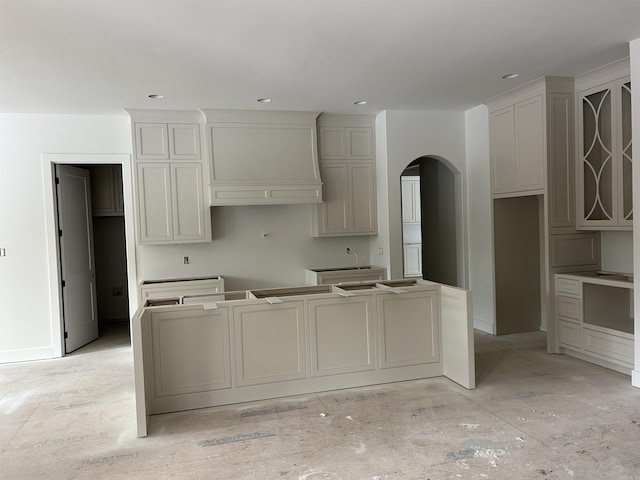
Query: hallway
pixel 533 416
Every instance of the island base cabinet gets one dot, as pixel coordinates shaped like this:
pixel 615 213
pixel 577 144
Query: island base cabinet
pixel 269 343
pixel 341 335
pixel 307 340
pixel 178 372
pixel 409 329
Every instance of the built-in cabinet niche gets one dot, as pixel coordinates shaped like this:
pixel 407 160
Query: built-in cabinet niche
pixel 604 146
pixel 348 173
pixel 532 142
pixel 171 177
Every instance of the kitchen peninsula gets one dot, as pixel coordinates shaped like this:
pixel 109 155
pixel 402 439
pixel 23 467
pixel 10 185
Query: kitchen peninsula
pixel 259 344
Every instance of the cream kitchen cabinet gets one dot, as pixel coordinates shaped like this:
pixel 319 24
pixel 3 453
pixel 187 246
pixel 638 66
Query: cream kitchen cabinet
pixel 594 315
pixel 411 200
pixel 170 177
pixel 412 259
pixel 106 190
pixel 324 276
pixel 297 340
pixel 170 203
pixel 604 164
pixel 349 194
pixel 167 141
pixel 345 143
pixel 517 145
pixel 348 172
pixel 178 287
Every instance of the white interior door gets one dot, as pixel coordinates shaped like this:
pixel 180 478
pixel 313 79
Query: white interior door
pixel 76 257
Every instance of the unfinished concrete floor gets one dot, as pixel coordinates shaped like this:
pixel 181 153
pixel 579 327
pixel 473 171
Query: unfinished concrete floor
pixel 533 416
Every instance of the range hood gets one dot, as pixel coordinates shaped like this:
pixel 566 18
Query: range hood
pixel 263 158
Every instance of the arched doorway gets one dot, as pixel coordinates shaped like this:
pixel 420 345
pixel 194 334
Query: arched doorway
pixel 430 227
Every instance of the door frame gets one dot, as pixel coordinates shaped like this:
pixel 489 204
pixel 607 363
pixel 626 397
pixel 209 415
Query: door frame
pixel 49 160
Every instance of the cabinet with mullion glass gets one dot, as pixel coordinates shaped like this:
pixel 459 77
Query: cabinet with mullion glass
pixel 605 157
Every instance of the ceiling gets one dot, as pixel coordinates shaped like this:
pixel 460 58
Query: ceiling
pixel 101 56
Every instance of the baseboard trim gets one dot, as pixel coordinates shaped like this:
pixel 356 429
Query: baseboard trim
pixel 484 326
pixel 27 354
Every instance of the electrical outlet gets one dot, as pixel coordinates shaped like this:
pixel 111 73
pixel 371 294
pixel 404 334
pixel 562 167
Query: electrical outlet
pixel 349 251
pixel 380 251
pixel 186 260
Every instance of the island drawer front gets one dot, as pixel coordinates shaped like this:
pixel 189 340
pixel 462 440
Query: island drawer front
pixel 569 307
pixel 568 285
pixel 569 334
pixel 610 346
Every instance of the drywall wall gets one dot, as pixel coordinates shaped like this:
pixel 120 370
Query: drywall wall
pixel 403 136
pixel 634 53
pixel 254 247
pixel 617 251
pixel 481 264
pixel 25 319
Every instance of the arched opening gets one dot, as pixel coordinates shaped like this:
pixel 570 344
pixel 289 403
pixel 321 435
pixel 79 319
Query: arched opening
pixel 431 221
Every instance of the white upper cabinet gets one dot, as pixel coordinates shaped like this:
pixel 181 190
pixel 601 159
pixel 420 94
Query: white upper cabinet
pixel 517 144
pixel 604 164
pixel 411 200
pixel 171 177
pixel 106 190
pixel 347 169
pixel 161 141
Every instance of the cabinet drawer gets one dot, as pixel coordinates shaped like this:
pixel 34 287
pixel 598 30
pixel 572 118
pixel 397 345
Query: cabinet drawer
pixel 569 334
pixel 567 285
pixel 613 347
pixel 569 307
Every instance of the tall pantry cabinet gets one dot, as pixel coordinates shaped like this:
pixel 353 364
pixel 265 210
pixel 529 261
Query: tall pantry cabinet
pixel 533 186
pixel 171 176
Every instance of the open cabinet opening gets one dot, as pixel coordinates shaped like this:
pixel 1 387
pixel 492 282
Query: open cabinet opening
pixel 518 264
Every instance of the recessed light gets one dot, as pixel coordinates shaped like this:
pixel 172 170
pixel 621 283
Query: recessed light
pixel 360 102
pixel 155 96
pixel 264 100
pixel 510 76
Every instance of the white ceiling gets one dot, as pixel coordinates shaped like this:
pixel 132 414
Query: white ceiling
pixel 100 56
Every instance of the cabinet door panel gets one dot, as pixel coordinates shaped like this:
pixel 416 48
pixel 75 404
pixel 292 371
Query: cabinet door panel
pixel 360 144
pixel 412 260
pixel 341 335
pixel 408 201
pixel 530 153
pixel 333 212
pixel 154 202
pixel 362 198
pixel 103 201
pixel 409 329
pixel 152 141
pixel 270 343
pixel 184 141
pixel 625 181
pixel 204 331
pixel 503 151
pixel 188 208
pixel 333 143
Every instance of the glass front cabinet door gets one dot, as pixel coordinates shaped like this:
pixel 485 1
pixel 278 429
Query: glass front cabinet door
pixel 605 157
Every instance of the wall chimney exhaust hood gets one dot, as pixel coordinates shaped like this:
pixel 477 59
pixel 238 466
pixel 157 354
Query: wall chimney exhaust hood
pixel 263 157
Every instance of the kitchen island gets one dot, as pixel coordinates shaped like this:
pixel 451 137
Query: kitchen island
pixel 260 344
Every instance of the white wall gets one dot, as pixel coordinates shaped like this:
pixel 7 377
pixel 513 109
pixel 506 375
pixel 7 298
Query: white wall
pixel 401 137
pixel 25 303
pixel 246 259
pixel 481 259
pixel 634 51
pixel 617 251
